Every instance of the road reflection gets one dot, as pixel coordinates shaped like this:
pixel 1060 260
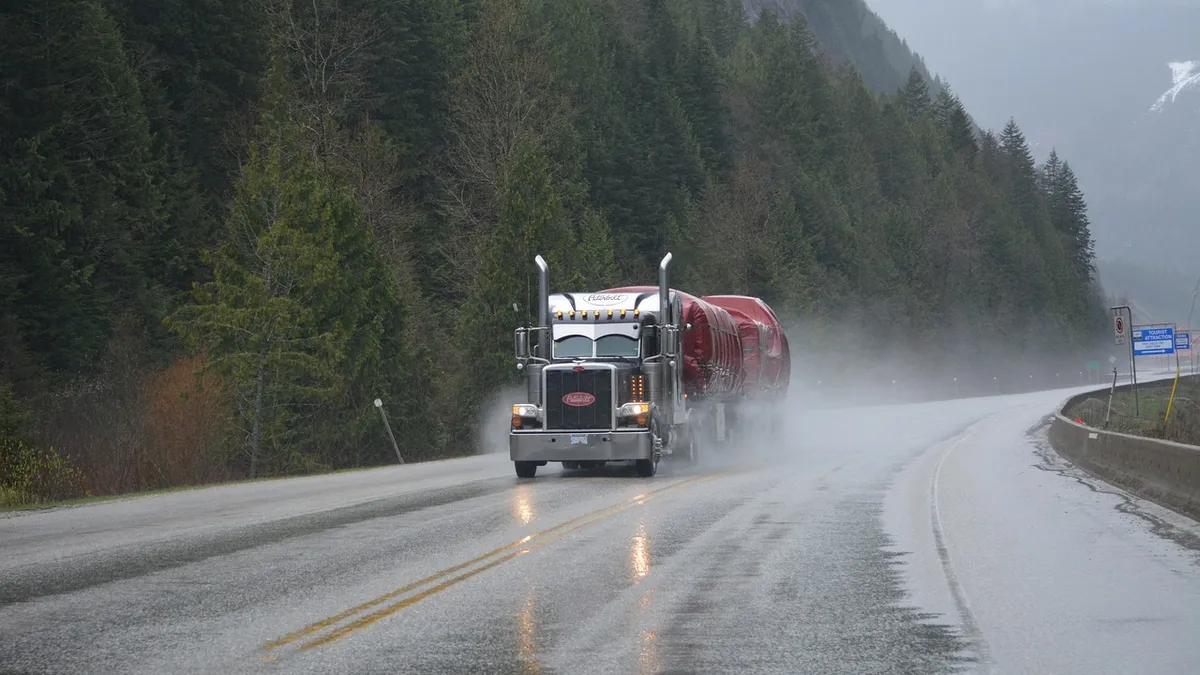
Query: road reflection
pixel 639 552
pixel 648 661
pixel 522 504
pixel 526 638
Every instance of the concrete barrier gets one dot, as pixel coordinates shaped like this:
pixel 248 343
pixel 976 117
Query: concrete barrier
pixel 1163 472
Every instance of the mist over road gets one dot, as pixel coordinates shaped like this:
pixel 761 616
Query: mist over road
pixel 918 538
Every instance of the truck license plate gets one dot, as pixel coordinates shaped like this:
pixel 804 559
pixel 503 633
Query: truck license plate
pixel 579 440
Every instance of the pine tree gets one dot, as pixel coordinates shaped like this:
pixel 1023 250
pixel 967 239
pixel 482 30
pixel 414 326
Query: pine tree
pixel 595 258
pixel 289 310
pixel 1048 175
pixel 1021 175
pixel 916 95
pixel 954 121
pixel 1069 217
pixel 81 205
pixel 532 221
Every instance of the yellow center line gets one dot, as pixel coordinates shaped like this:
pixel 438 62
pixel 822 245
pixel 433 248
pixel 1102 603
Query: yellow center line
pixel 595 516
pixel 377 615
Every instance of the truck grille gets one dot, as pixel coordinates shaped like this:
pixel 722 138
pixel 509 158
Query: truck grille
pixel 596 415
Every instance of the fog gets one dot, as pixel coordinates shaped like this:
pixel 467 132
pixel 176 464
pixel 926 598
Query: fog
pixel 832 371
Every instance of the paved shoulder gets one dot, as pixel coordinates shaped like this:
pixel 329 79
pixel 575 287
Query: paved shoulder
pixel 1046 569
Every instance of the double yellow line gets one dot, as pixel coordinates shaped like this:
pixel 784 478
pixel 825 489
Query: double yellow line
pixel 341 627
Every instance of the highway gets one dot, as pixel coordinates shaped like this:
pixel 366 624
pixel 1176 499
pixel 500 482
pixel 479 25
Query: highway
pixel 924 538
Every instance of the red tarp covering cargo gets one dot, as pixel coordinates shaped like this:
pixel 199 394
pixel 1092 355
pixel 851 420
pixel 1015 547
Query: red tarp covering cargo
pixel 772 372
pixel 712 350
pixel 756 340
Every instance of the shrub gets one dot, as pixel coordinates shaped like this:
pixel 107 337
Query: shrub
pixel 30 475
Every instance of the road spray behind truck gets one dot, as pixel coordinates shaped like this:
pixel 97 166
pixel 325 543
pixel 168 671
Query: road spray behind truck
pixel 631 374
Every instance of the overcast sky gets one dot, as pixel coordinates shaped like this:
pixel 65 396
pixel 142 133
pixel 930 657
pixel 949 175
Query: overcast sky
pixel 1049 62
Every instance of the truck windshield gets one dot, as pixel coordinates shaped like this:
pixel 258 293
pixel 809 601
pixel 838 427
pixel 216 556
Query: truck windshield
pixel 573 347
pixel 617 346
pixel 608 346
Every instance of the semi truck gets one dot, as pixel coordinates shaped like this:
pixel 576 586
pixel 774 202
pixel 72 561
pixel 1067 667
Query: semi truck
pixel 633 375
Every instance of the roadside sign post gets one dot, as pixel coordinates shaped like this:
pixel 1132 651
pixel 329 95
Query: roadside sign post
pixel 1121 324
pixel 1182 341
pixel 1152 341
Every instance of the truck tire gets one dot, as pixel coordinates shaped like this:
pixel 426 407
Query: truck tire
pixel 646 468
pixel 570 466
pixel 526 469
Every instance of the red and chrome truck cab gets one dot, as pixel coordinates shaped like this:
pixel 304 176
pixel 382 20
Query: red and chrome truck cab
pixel 597 381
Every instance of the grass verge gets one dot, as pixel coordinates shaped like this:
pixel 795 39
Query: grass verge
pixel 1147 416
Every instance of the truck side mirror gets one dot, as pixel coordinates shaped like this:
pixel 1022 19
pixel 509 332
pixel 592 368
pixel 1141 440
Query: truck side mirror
pixel 670 340
pixel 521 346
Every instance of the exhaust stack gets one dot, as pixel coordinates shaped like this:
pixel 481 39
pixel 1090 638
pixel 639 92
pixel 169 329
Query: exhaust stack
pixel 543 306
pixel 664 291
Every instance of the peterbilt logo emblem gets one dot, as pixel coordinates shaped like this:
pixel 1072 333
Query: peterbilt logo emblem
pixel 605 299
pixel 579 399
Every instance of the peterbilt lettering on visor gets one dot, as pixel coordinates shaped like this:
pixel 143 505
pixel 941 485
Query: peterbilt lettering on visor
pixel 605 299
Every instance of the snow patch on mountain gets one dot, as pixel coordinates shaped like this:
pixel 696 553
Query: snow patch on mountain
pixel 1184 75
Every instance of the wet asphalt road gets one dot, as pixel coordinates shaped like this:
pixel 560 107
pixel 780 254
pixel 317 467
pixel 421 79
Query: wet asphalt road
pixel 929 538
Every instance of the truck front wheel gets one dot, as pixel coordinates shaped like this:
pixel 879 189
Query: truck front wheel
pixel 646 468
pixel 526 469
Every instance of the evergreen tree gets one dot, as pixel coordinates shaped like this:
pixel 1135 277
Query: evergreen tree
pixel 1069 216
pixel 595 260
pixel 954 121
pixel 532 221
pixel 290 315
pixel 1021 180
pixel 82 233
pixel 916 95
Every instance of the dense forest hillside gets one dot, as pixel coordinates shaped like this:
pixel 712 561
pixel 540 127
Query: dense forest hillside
pixel 229 225
pixel 848 31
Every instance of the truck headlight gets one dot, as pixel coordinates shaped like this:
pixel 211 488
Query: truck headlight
pixel 525 415
pixel 636 414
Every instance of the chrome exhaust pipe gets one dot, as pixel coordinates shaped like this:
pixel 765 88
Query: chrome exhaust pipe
pixel 543 306
pixel 664 291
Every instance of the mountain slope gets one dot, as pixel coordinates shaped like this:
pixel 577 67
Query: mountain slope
pixel 1094 79
pixel 849 31
pixel 313 239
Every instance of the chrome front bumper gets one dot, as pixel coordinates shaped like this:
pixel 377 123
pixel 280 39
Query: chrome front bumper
pixel 553 446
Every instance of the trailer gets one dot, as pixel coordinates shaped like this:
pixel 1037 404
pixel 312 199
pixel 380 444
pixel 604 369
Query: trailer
pixel 767 355
pixel 766 361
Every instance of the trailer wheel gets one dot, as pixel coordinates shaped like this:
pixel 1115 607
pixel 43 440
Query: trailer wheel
pixel 646 468
pixel 526 469
pixel 570 466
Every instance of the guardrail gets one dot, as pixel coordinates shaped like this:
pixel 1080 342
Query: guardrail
pixel 1163 472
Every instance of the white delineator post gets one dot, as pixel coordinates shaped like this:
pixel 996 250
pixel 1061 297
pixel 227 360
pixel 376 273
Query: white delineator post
pixel 379 404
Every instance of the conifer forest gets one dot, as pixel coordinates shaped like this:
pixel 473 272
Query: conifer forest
pixel 228 226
